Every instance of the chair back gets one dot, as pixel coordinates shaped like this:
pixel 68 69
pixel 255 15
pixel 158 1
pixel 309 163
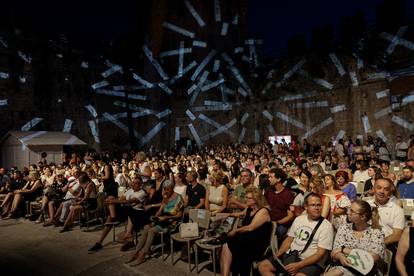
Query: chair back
pixel 388 260
pixel 201 216
pixel 408 206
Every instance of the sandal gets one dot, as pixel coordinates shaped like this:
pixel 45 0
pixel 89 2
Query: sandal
pixel 133 258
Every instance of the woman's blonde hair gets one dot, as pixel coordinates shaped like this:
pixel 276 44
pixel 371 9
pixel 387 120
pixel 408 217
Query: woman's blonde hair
pixel 218 176
pixel 257 196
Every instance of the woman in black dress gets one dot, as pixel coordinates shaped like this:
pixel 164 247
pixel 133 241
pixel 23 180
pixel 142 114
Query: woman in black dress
pixel 247 243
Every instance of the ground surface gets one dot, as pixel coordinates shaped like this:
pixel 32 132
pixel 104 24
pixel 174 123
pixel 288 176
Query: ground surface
pixel 28 248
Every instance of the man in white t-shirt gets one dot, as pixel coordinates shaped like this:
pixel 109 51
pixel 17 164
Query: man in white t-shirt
pixel 312 260
pixel 391 215
pixel 401 148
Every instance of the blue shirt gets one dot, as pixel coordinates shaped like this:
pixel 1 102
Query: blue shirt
pixel 406 190
pixel 350 191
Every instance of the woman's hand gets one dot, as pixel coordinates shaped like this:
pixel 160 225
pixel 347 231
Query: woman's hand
pixel 232 233
pixel 344 260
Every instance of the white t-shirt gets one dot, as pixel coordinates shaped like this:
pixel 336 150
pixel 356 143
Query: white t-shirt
pixel 75 186
pixel 401 149
pixel 140 195
pixel 360 176
pixel 181 190
pixel 391 216
pixel 301 230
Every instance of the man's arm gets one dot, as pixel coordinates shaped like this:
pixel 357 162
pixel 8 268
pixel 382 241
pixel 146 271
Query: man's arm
pixel 402 250
pixel 285 246
pixel 394 237
pixel 289 217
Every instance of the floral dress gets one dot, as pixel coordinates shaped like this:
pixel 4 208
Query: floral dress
pixel 372 241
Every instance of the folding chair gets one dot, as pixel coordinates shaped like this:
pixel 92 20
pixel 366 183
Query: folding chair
pixel 273 245
pixel 202 218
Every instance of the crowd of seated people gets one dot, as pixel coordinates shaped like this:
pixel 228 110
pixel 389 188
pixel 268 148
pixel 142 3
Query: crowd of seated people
pixel 313 188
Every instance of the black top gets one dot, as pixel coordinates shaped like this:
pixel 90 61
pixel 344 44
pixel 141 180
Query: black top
pixel 195 194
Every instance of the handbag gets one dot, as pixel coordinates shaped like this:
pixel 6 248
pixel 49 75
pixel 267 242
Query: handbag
pixel 189 230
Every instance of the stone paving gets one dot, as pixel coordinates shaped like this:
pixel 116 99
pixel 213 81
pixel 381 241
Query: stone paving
pixel 29 248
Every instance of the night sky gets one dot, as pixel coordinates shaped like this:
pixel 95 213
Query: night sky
pixel 273 21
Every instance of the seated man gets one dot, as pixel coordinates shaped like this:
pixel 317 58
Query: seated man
pixel 135 199
pixel 296 259
pixel 406 184
pixel 279 199
pixel 195 193
pixel 238 199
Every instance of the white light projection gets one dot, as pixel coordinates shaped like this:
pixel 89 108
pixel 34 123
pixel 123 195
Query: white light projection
pixel 3 102
pixel 195 14
pixel 400 121
pixel 340 135
pixel 4 75
pixel 24 57
pixel 112 70
pixel 319 127
pixel 337 64
pixel 382 94
pixel 67 126
pixel 32 123
pixel 338 108
pixel 178 30
pixel 366 124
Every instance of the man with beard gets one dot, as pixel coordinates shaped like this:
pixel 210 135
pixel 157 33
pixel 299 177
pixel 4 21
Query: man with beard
pixel 406 184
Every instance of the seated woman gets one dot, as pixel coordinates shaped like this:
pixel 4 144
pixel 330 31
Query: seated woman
pixel 17 183
pixel 301 190
pixel 339 201
pixel 247 243
pixel 348 188
pixel 358 234
pixel 29 192
pixel 55 196
pixel 170 210
pixel 374 173
pixel 217 194
pixel 87 202
pixel 405 253
pixel 47 178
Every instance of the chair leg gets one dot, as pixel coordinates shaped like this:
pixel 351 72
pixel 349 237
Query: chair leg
pixel 189 256
pixel 172 250
pixel 214 261
pixel 196 257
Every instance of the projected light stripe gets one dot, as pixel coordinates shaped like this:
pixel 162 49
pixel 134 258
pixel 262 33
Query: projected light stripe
pixel 116 116
pixel 289 73
pixel 354 78
pixel 383 112
pixel 380 75
pixel 223 107
pixel 194 97
pixel 295 97
pixel 195 14
pixel 400 121
pixel 203 64
pixel 112 70
pixel 340 135
pixel 242 91
pixel 290 120
pixel 165 88
pixel 382 94
pixel 271 129
pixel 119 124
pixel 155 63
pixel 381 135
pixel 338 108
pixel 31 136
pixel 142 81
pixel 181 59
pixel 2 42
pixel 175 52
pixel 178 30
pixel 177 134
pixel 3 102
pixel 190 115
pixel 360 61
pixel 217 10
pixel 25 57
pixel 119 87
pixel 394 39
pixel 91 110
pixel 67 126
pixel 32 123
pixel 224 29
pixel 94 131
pixel 256 136
pixel 337 64
pixel 244 118
pixel 120 94
pixel 195 134
pixel 163 113
pixel 242 134
pixel 216 66
pixel 407 99
pixel 240 79
pixel 4 75
pixel 224 128
pixel 134 107
pixel 84 64
pixel 201 44
pixel 226 57
pixel 267 115
pixel 235 20
pixel 311 104
pixel 100 84
pixel 212 85
pixel 213 123
pixel 319 127
pixel 267 87
pixel 366 124
pixel 185 70
pixel 319 81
